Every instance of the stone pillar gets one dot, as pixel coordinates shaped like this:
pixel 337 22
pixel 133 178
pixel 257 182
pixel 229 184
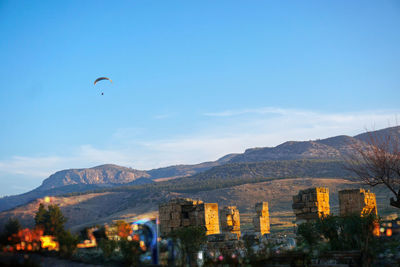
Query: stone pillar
pixel 311 204
pixel 230 220
pixel 211 220
pixel 261 221
pixel 357 201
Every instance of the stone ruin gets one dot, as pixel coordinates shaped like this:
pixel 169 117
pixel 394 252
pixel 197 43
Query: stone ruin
pixel 311 204
pixel 261 220
pixel 230 220
pixel 357 201
pixel 227 243
pixel 182 212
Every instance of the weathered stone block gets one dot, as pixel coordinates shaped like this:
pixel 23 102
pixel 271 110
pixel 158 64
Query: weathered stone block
pixel 187 212
pixel 311 203
pixel 357 201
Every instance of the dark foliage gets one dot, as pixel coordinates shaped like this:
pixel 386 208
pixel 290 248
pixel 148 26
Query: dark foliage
pixel 51 220
pixel 191 239
pixel 308 234
pixel 11 227
pixel 130 251
pixel 68 243
pixel 334 233
pixel 108 247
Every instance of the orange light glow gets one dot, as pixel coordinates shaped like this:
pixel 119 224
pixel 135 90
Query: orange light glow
pixel 26 239
pixel 91 242
pixel 47 199
pixel 48 242
pixel 136 238
pixel 88 243
pixel 142 245
pixel 124 229
pixel 389 232
pixel 376 231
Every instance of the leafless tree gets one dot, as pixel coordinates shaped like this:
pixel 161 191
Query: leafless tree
pixel 378 162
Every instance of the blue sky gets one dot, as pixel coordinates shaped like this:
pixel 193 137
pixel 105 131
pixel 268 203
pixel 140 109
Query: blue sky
pixel 193 80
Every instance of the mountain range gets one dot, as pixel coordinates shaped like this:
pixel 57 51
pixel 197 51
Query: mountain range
pixel 316 158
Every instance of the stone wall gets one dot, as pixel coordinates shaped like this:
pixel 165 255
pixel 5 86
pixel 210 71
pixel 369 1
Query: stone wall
pixel 311 204
pixel 357 201
pixel 183 212
pixel 261 220
pixel 230 220
pixel 225 243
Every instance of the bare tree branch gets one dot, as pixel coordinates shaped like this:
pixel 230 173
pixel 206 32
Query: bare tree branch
pixel 377 162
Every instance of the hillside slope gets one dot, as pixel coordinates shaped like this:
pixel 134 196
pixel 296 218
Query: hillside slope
pixel 277 169
pixel 329 149
pixel 97 208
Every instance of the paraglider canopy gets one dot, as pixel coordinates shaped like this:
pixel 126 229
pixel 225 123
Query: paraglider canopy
pixel 101 78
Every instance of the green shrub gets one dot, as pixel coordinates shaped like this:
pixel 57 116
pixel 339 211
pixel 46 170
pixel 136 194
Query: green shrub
pixel 67 243
pixel 108 247
pixel 191 239
pixel 130 251
pixel 11 227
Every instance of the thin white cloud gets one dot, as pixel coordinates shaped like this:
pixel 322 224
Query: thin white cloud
pixel 30 166
pixel 42 166
pixel 230 113
pixel 248 131
pixel 225 132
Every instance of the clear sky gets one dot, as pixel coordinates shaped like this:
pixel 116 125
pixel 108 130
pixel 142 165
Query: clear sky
pixel 193 80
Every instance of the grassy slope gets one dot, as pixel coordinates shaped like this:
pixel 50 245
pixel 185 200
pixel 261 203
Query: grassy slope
pixel 96 208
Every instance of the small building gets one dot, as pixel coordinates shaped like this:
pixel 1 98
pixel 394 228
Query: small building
pixel 183 212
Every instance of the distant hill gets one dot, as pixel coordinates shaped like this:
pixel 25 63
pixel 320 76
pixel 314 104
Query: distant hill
pixel 393 132
pixel 70 184
pixel 277 169
pixel 108 174
pixel 334 148
pixel 330 150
